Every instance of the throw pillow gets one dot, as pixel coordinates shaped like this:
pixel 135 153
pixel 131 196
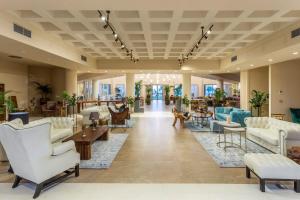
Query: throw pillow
pixel 227 110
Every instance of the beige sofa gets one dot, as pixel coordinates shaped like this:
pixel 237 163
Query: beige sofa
pixel 61 128
pixel 102 110
pixel 273 134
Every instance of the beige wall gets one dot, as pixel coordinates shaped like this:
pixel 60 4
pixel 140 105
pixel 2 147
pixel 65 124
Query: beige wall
pixel 254 79
pixel 15 78
pixel 285 83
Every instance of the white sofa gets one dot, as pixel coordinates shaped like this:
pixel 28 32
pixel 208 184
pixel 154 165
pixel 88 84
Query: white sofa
pixel 102 110
pixel 32 155
pixel 273 134
pixel 61 128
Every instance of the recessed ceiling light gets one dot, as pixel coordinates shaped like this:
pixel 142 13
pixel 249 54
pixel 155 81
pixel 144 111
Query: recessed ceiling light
pixel 123 70
pixel 89 71
pixel 295 53
pixel 210 71
pixel 251 65
pixel 238 68
pixel 270 59
pixel 141 70
pixel 105 71
pixel 228 71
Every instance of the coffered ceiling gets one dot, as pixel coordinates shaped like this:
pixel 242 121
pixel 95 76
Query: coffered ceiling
pixel 160 34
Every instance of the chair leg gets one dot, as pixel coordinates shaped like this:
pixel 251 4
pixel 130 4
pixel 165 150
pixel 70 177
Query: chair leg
pixel 77 170
pixel 297 186
pixel 17 181
pixel 38 190
pixel 10 169
pixel 248 173
pixel 262 184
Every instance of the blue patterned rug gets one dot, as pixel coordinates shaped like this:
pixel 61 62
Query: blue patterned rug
pixel 232 157
pixel 104 152
pixel 197 128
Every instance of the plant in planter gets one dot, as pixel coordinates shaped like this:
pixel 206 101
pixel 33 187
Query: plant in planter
pixel 219 97
pixel 186 102
pixel 167 96
pixel 148 94
pixel 130 102
pixel 178 94
pixel 258 100
pixel 6 104
pixel 71 101
pixel 137 91
pixel 45 90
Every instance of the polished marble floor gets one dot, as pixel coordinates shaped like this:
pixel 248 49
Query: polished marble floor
pixel 157 152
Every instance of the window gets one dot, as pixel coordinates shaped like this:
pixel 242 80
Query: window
pixel 120 90
pixel 209 89
pixel 105 89
pixel 194 91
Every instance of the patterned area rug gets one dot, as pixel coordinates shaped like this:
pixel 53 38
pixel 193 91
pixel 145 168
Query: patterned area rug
pixel 196 128
pixel 104 152
pixel 129 124
pixel 232 157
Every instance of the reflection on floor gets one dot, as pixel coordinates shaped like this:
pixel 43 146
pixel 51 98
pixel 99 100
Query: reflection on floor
pixel 98 191
pixel 158 106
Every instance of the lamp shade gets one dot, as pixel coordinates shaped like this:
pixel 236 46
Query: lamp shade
pixel 94 116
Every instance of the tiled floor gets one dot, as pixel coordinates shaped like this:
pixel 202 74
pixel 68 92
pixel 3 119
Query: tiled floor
pixel 157 152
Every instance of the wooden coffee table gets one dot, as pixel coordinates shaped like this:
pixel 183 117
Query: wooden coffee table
pixel 84 144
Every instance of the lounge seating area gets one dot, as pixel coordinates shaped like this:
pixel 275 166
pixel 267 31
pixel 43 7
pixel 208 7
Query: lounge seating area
pixel 98 99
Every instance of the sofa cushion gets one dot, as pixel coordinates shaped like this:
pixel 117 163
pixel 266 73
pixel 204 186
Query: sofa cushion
pixel 221 116
pixel 59 134
pixel 227 110
pixel 269 135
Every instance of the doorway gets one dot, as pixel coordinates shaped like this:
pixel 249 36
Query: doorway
pixel 157 92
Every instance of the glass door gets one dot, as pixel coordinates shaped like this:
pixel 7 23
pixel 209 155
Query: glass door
pixel 157 92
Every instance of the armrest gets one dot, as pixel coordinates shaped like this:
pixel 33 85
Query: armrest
pixel 60 148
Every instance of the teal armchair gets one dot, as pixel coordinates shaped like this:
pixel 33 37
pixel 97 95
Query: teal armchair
pixel 295 112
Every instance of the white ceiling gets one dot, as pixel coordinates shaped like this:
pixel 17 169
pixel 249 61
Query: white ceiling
pixel 160 34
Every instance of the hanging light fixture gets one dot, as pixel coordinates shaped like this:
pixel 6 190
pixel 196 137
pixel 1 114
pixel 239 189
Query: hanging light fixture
pixel 204 35
pixel 116 36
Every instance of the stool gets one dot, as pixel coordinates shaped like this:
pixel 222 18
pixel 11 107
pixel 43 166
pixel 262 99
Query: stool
pixel 272 167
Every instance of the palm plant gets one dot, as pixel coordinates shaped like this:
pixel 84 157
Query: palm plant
pixel 6 103
pixel 44 89
pixel 138 87
pixel 219 96
pixel 167 96
pixel 258 100
pixel 148 94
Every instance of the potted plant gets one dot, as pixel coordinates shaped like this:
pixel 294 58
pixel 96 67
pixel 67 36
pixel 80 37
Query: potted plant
pixel 71 101
pixel 148 94
pixel 177 94
pixel 130 102
pixel 186 102
pixel 258 100
pixel 44 90
pixel 6 104
pixel 219 97
pixel 167 96
pixel 137 91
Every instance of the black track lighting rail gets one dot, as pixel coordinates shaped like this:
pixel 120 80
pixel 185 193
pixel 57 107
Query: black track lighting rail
pixel 204 35
pixel 105 18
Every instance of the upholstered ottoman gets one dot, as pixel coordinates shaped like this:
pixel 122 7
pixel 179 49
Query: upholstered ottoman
pixel 272 167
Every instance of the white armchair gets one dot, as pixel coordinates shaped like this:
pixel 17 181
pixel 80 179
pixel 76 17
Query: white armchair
pixel 33 157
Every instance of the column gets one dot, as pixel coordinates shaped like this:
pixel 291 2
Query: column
pixel 221 84
pixel 186 85
pixel 130 85
pixel 71 81
pixel 95 89
pixel 244 90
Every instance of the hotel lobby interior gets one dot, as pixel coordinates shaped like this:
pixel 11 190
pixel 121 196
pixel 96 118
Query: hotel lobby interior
pixel 149 99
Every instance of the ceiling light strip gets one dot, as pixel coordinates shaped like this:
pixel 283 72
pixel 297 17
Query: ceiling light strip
pixel 204 35
pixel 105 19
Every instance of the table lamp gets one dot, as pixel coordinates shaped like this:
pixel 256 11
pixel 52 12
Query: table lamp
pixel 94 117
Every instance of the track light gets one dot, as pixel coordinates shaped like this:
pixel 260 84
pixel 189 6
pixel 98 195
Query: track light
pixel 204 35
pixel 117 38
